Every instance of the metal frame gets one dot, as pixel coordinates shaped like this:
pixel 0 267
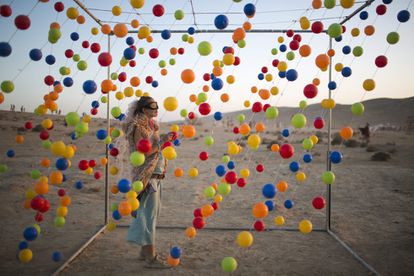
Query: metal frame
pixel 327 228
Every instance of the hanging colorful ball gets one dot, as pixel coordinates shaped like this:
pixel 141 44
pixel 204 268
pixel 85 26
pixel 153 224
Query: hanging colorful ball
pixel 89 87
pixel 286 151
pixel 335 30
pixel 381 61
pixel 335 157
pixel 221 21
pixel 105 59
pixel 328 177
pixel 318 202
pixel 305 226
pixel 357 109
pixel 158 10
pixel 249 10
pixel 393 38
pixel 298 120
pixel 244 239
pixel 403 16
pixel 229 264
pixel 187 76
pixel 5 49
pixel 22 22
pixel 170 103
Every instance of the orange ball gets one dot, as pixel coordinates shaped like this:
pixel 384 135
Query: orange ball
pixel 41 188
pixel 65 201
pixel 45 162
pixel 104 161
pixel 189 131
pixel 282 186
pixel 106 29
pixel 244 129
pixel 135 81
pixel 124 208
pixel 253 89
pixel 346 133
pixel 120 30
pixel 239 34
pixel 214 185
pixel 19 139
pixel 54 25
pixel 275 147
pixel 164 72
pixel 193 98
pixel 190 232
pixel 260 210
pixel 305 50
pixel 316 81
pixel 56 177
pixel 106 86
pixel 217 71
pixel 80 19
pixel 187 76
pixel 206 88
pixel 173 262
pixel 114 189
pixel 260 127
pixel 331 52
pixel 173 51
pixel 135 23
pixel 1 98
pixel 369 30
pixel 247 26
pixel 264 94
pixel 207 210
pixel 322 61
pixel 224 97
pixel 316 4
pixel 178 172
pixel 58 88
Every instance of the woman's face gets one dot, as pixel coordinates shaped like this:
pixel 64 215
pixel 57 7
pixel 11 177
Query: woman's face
pixel 151 110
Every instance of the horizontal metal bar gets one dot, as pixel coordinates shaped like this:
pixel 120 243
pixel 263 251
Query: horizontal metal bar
pixel 230 31
pixel 367 3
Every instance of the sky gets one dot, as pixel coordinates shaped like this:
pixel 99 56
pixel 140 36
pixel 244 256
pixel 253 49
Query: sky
pixel 393 81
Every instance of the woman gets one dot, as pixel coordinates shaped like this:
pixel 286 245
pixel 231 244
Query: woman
pixel 140 124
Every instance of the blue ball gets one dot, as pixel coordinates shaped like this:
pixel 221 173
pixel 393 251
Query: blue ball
pixel 121 117
pixel 74 36
pixel 23 245
pixel 221 21
pixel 175 252
pixel 282 74
pixel 217 84
pixel 124 185
pixel 291 75
pixel 10 153
pixel 260 76
pixel 110 146
pixel 307 158
pixel 288 204
pixel 403 16
pixel 130 40
pixel 129 53
pixel 5 49
pixel 191 30
pixel 177 142
pixel 220 170
pixel 269 190
pixel 56 256
pixel 363 15
pixel 35 54
pixel 50 59
pixel 336 157
pixel 154 84
pixel 62 164
pixel 212 76
pixel 386 2
pixel 116 215
pixel 73 136
pixel 64 177
pixel 78 185
pixel 283 48
pixel 346 50
pixel 68 81
pixel 270 205
pixel 285 132
pixel 89 87
pixel 165 34
pixel 346 72
pixel 338 38
pixel 95 104
pixel 231 165
pixel 332 85
pixel 101 134
pixel 218 116
pixel 249 10
pixel 294 166
pixel 56 82
pixel 134 213
pixel 30 233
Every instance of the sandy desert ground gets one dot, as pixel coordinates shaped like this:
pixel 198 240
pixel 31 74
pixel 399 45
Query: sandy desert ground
pixel 372 203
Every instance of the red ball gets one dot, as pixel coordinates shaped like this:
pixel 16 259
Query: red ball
pixel 294 45
pixel 69 53
pixel 61 192
pixel 114 152
pixel 39 217
pixel 206 77
pixel 275 62
pixel 286 151
pixel 166 144
pixel 59 7
pixel 5 10
pixel 266 106
pixel 231 177
pixel 228 50
pixel 319 123
pixel 381 61
pixel 45 207
pixel 381 9
pixel 260 168
pixel 290 33
pixel 153 53
pixel 22 22
pixel 105 59
pixel 297 37
pixel 198 223
pixel 37 203
pixel 85 44
pixel 83 165
pixel 149 79
pixel 259 226
pixel 264 70
pixel 310 91
pixel 343 28
pixel 49 80
pixel 122 76
pixel 191 115
pixel 158 10
pixel 203 156
pixel 241 182
pixel 318 202
pixel 92 163
pixel 215 205
pixel 97 175
pixel 28 125
pixel 181 51
pixel 132 63
pixel 236 130
pixel 197 213
pixel 44 135
pixel 94 111
pixel 95 47
pixel 257 107
pixel 236 61
pixel 143 145
pixel 204 109
pixel 317 27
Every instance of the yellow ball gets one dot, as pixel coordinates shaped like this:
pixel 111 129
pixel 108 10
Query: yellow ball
pixel 246 104
pixel 338 67
pixel 254 141
pixel 244 239
pixel 113 170
pixel 282 66
pixel 170 103
pixel 244 173
pixel 218 198
pixel 169 153
pixel 274 90
pixel 131 194
pixel 69 152
pixel 72 13
pixel 116 10
pixel 47 123
pixel 279 220
pixel 314 139
pixel 58 148
pixel 355 32
pixel 175 128
pixel 193 172
pixel 111 226
pixel 134 203
pixel 216 63
pixel 137 4
pixel 280 39
pixel 231 79
pixel 304 23
pixel 300 176
pixel 62 211
pixel 369 84
pixel 25 255
pixel 94 31
pixel 233 148
pixel 269 77
pixel 30 194
pixel 138 93
pixel 129 91
pixel 119 95
pixel 89 171
pixel 305 226
pixel 144 32
pixel 228 59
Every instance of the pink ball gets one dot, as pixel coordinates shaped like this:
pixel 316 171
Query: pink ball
pixel 49 80
pixel 236 130
pixel 149 79
pixel 191 115
pixel 97 175
pixel 69 53
pixel 294 45
pixel 206 77
pixel 264 70
pixel 122 77
pixel 275 62
pixel 286 151
pixel 236 61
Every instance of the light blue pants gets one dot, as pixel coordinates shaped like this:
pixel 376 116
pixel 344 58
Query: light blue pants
pixel 142 228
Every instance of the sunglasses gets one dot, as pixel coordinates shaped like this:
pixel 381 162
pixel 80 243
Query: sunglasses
pixel 152 106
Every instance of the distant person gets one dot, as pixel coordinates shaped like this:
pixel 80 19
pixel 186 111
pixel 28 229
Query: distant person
pixel 365 132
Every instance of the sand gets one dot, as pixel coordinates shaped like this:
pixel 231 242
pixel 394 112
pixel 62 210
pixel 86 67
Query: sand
pixel 372 207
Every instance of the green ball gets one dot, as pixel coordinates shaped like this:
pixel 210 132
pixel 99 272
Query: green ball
pixel 59 221
pixel 229 264
pixel 241 118
pixel 82 65
pixel 3 168
pixel 82 128
pixel 64 70
pixel 393 38
pixel 209 192
pixel 171 61
pixel 357 109
pixel 76 57
pixel 224 189
pixel 358 51
pixel 307 144
pixel 137 158
pixel 330 4
pixel 204 48
pixel 179 14
pixel 35 174
pixel 72 118
pixel 115 133
pixel 46 144
pixel 104 99
pixel 184 37
pixel 335 30
pixel 272 112
pixel 303 104
pixel 137 186
pixel 7 86
pixel 225 158
pixel 108 140
pixel 116 111
pixel 298 120
pixel 114 206
pixel 114 76
pixel 54 35
pixel 290 55
pixel 141 51
pixel 274 51
pixel 328 177
pixel 202 97
pixel 183 113
pixel 162 63
pixel 209 140
pixel 241 43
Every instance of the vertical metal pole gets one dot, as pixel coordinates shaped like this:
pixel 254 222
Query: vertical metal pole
pixel 108 125
pixel 328 159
